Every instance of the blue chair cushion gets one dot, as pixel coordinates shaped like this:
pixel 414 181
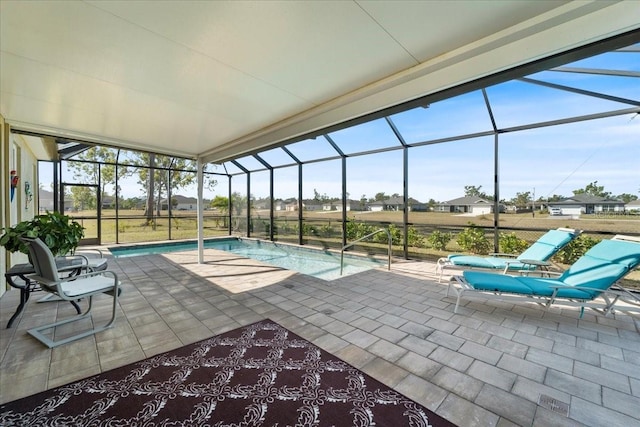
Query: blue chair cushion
pixel 598 269
pixel 523 285
pixel 484 281
pixel 541 250
pixel 547 245
pixel 494 263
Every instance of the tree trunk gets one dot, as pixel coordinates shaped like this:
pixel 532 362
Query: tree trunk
pixel 150 189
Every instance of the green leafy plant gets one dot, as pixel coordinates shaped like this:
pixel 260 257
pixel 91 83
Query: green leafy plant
pixel 439 240
pixel 575 249
pixel 472 239
pixel 415 238
pixel 512 244
pixel 59 232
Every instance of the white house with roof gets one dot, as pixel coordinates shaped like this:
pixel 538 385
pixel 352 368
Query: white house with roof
pixel 633 206
pixel 352 205
pixel 311 205
pixel 587 204
pixel 181 203
pixel 396 204
pixel 468 204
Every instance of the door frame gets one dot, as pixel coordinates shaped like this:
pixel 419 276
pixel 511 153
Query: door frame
pixel 91 240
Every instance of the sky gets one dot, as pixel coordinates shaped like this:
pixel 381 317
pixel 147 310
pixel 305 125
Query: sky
pixel 546 161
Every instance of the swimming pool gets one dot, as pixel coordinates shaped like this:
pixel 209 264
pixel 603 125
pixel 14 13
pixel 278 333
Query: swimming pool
pixel 313 262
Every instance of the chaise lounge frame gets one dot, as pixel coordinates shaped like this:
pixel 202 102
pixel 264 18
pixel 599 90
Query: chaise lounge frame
pixel 535 257
pixel 554 291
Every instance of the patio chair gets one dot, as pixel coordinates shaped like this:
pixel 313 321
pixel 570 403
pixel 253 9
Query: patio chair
pixel 535 257
pixel 84 285
pixel 590 282
pixel 67 265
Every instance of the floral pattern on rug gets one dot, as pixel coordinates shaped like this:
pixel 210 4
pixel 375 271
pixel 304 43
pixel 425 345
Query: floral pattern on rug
pixel 258 375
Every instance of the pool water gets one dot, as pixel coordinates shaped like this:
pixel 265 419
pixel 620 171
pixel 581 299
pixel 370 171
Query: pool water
pixel 313 262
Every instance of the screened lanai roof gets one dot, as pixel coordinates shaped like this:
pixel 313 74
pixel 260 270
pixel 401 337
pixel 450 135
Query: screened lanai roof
pixel 220 80
pixel 598 87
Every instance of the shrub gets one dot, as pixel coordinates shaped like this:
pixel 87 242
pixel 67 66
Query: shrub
pixel 512 244
pixel 396 235
pixel 575 249
pixel 472 239
pixel 414 238
pixel 356 230
pixel 326 230
pixel 439 240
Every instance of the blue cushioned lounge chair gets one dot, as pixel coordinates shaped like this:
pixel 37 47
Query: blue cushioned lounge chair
pixel 536 256
pixel 589 282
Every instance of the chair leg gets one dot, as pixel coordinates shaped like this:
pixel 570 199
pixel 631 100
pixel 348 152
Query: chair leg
pixel 455 310
pixel 440 268
pixel 37 332
pixel 24 297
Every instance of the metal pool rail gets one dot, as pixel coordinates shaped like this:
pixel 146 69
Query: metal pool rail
pixel 361 239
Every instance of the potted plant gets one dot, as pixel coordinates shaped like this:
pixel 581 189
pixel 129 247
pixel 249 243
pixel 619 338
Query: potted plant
pixel 59 232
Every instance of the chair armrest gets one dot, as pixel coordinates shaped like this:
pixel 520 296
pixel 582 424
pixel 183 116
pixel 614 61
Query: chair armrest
pixel 91 251
pixel 54 286
pixel 90 274
pixel 535 262
pixel 540 273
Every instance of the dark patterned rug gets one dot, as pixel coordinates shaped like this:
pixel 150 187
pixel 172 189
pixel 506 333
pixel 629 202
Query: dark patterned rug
pixel 257 375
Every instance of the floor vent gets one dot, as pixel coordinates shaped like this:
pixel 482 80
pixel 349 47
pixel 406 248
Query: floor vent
pixel 554 405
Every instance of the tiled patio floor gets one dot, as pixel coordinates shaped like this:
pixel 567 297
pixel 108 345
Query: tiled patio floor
pixel 488 365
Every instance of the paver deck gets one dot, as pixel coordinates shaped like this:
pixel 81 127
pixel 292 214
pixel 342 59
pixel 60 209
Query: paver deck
pixel 492 364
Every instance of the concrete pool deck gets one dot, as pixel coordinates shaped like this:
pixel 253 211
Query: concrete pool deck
pixel 492 364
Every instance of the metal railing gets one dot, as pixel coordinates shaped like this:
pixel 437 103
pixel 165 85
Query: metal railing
pixel 389 250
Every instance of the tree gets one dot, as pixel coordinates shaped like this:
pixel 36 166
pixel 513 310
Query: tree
pixel 150 185
pixel 593 189
pixel 555 198
pixel 626 197
pixel 473 191
pixel 522 199
pixel 221 204
pixel 165 175
pixel 238 204
pixel 363 201
pixel 379 197
pixel 83 198
pixel 320 197
pixel 97 165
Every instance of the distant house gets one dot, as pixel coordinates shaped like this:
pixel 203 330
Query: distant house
pixel 396 204
pixel 377 206
pixel 108 202
pixel 45 201
pixel 311 205
pixel 633 206
pixel 587 204
pixel 469 204
pixel 182 203
pixel 352 205
pixel 291 206
pixel 265 204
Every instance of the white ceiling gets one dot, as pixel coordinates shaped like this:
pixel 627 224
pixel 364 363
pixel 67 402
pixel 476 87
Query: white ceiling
pixel 214 79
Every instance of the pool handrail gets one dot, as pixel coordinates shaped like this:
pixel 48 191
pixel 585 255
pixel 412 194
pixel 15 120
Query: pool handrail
pixel 389 250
